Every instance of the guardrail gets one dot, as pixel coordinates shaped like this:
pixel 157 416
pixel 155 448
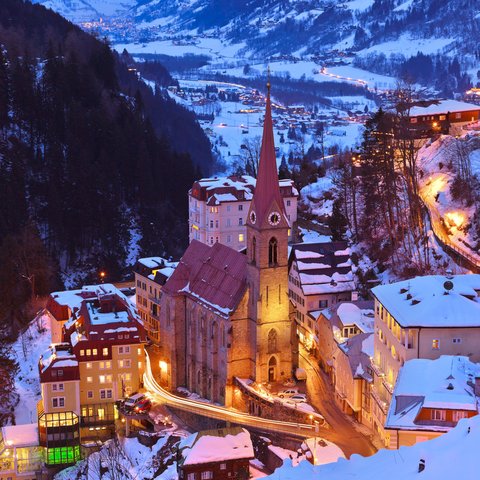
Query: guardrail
pixel 222 413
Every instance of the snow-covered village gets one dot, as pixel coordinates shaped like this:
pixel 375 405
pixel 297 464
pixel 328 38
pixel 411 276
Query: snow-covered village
pixel 239 239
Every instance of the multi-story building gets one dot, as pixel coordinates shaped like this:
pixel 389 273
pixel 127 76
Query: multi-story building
pixel 150 275
pixel 320 275
pixel 424 317
pixel 430 398
pixel 100 360
pixel 218 209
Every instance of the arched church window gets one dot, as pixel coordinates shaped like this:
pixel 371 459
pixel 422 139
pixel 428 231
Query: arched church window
pixel 272 252
pixel 272 341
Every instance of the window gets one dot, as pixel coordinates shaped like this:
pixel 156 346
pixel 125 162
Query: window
pixel 89 352
pixel 457 340
pixel 241 237
pixel 229 239
pixel 289 202
pixel 240 221
pixel 58 402
pixel 458 415
pixel 89 365
pixel 105 394
pixel 229 223
pixel 322 303
pixel 435 344
pixel 82 353
pixel 125 349
pixel 191 476
pixel 438 415
pixel 272 252
pixel 90 394
pixel 211 240
pixel 60 373
pixel 458 115
pixel 89 379
pixel 95 351
pixel 272 341
pixel 228 208
pixel 57 387
pixel 206 475
pixel 211 223
pixel 240 208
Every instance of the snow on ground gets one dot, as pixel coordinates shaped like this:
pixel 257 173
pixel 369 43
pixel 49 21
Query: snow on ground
pixel 200 46
pixel 408 46
pixel 27 350
pixel 357 75
pixel 450 456
pixel 311 236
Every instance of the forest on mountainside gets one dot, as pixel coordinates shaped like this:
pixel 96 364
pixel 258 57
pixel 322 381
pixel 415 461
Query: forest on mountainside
pixel 92 161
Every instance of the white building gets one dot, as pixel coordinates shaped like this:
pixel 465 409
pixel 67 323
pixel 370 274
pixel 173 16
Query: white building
pixel 218 209
pixel 319 276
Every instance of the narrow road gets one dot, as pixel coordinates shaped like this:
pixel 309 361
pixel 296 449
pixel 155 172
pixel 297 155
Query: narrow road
pixel 343 432
pixel 160 395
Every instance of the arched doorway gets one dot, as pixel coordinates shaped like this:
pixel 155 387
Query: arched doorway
pixel 272 369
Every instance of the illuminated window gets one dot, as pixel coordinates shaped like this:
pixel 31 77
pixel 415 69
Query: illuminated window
pixel 89 379
pixel 89 352
pixel 89 365
pixel 240 237
pixel 435 344
pixel 82 353
pixel 101 378
pixel 95 351
pixel 105 351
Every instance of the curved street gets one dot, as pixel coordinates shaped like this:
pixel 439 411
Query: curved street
pixel 344 431
pixel 161 395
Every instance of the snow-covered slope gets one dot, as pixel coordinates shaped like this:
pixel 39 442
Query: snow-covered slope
pixel 85 10
pixel 451 456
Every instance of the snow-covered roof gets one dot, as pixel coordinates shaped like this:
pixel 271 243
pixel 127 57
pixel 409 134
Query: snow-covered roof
pixel 443 107
pixel 446 383
pixel 58 354
pixel 453 455
pixel 216 446
pixel 359 350
pixel 423 302
pixel 20 435
pixel 351 314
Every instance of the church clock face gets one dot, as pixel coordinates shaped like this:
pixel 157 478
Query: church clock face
pixel 253 217
pixel 274 218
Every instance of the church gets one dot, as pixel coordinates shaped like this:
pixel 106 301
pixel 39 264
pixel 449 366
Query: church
pixel 226 314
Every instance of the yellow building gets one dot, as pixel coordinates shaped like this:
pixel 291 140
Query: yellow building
pixel 101 359
pixel 424 317
pixel 151 273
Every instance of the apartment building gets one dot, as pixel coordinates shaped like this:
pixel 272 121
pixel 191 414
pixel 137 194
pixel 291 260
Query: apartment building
pixel 151 273
pixel 424 317
pixel 218 209
pixel 319 276
pixel 431 397
pixel 101 359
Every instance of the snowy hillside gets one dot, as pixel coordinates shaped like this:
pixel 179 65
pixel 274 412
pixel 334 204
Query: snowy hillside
pixel 85 10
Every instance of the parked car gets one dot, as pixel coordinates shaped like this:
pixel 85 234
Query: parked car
pixel 290 392
pixel 143 406
pixel 132 401
pixel 298 398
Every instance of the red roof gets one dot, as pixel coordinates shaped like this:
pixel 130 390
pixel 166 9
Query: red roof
pixel 267 195
pixel 214 275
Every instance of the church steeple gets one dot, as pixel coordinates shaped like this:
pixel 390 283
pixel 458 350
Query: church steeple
pixel 267 204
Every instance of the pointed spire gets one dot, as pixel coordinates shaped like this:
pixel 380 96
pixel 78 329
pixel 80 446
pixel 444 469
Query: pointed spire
pixel 267 191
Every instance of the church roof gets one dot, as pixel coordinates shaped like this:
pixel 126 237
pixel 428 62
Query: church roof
pixel 215 276
pixel 267 192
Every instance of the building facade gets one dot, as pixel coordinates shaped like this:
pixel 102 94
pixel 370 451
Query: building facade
pixel 151 273
pixel 101 359
pixel 424 317
pixel 226 314
pixel 218 209
pixel 319 276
